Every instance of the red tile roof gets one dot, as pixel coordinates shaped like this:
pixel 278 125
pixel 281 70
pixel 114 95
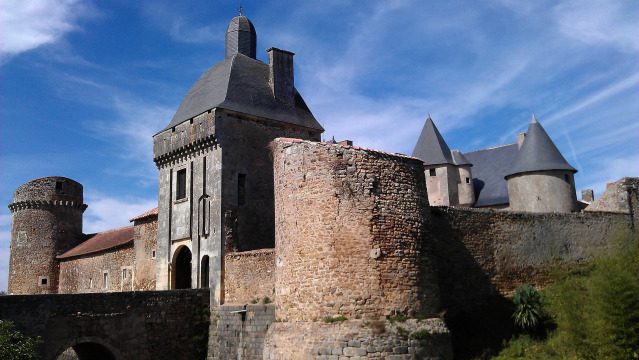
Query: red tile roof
pixel 101 241
pixel 149 213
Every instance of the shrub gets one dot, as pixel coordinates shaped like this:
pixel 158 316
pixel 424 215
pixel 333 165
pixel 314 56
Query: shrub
pixel 397 318
pixel 330 319
pixel 422 334
pixel 266 300
pixel 14 345
pixel 528 312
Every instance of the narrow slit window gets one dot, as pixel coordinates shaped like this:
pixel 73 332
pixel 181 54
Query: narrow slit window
pixel 181 185
pixel 105 279
pixel 241 189
pixel 124 273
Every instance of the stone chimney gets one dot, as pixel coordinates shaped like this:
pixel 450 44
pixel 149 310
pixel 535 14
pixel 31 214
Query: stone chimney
pixel 281 77
pixel 520 139
pixel 587 195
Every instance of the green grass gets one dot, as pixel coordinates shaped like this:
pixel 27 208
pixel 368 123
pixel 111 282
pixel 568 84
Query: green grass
pixel 330 319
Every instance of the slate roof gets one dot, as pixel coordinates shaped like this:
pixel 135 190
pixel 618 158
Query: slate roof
pixel 538 152
pixel 489 169
pixel 431 147
pixel 152 212
pixel 240 83
pixel 240 37
pixel 101 241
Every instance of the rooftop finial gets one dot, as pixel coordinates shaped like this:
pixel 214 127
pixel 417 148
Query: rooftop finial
pixel 240 9
pixel 429 116
pixel 534 119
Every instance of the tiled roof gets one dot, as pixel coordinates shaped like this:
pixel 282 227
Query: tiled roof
pixel 152 212
pixel 101 241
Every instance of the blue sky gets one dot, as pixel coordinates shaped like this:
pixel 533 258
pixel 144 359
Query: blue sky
pixel 85 84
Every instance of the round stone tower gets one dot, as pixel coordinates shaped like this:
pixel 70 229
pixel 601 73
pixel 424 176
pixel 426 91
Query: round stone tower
pixel 46 221
pixel 541 180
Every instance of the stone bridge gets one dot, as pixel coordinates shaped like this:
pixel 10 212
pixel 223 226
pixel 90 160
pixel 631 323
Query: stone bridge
pixel 127 325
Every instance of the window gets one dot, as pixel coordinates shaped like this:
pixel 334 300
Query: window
pixel 58 185
pixel 241 189
pixel 90 283
pixel 105 279
pixel 153 254
pixel 43 281
pixel 567 178
pixel 467 180
pixel 431 172
pixel 181 185
pixel 123 273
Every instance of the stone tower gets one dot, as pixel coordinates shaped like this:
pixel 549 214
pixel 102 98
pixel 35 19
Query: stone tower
pixel 216 171
pixel 541 180
pixel 448 175
pixel 46 221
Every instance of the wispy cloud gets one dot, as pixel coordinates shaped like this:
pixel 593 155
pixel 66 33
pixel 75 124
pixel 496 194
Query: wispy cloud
pixel 28 24
pixel 105 212
pixel 181 27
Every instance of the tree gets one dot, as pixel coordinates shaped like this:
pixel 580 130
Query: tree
pixel 16 346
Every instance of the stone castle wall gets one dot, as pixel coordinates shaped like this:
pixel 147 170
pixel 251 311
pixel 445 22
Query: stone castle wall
pixel 249 276
pixel 145 233
pixel 86 274
pixel 133 325
pixel 483 252
pixel 238 331
pixel 352 233
pixel 46 221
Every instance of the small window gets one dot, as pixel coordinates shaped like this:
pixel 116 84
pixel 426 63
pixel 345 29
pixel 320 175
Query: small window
pixel 241 189
pixel 467 180
pixel 44 281
pixel 567 178
pixel 431 172
pixel 123 273
pixel 105 279
pixel 181 185
pixel 90 283
pixel 153 254
pixel 58 185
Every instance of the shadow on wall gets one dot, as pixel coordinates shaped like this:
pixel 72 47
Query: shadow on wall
pixel 478 317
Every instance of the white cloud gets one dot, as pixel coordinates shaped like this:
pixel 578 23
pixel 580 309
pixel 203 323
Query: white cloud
pixel 600 22
pixel 28 24
pixel 105 213
pixel 612 169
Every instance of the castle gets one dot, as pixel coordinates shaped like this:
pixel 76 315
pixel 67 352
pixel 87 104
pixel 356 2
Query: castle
pixel 253 206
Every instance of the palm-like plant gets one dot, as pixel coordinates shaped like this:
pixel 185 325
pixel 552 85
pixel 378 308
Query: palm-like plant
pixel 528 313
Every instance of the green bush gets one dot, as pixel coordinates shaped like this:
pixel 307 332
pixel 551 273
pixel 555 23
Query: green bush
pixel 14 345
pixel 330 319
pixel 528 314
pixel 595 310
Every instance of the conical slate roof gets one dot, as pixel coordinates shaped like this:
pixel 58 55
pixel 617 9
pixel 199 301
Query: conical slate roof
pixel 459 158
pixel 538 152
pixel 431 147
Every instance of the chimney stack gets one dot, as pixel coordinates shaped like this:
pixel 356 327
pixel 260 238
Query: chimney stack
pixel 587 195
pixel 281 77
pixel 520 139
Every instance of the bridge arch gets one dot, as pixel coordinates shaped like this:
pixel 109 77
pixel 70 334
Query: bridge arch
pixel 90 348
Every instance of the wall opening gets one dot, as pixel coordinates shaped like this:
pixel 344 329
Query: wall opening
pixel 181 185
pixel 182 268
pixel 87 351
pixel 205 272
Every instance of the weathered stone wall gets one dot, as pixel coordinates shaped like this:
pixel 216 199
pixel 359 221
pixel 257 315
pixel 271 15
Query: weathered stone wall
pixel 621 196
pixel 465 189
pixel 46 221
pixel 145 233
pixel 352 233
pixel 542 191
pixel 249 276
pixel 85 274
pixel 359 339
pixel 134 325
pixel 250 222
pixel 238 331
pixel 481 252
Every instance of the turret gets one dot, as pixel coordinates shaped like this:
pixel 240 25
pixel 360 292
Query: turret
pixel 541 180
pixel 46 221
pixel 449 179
